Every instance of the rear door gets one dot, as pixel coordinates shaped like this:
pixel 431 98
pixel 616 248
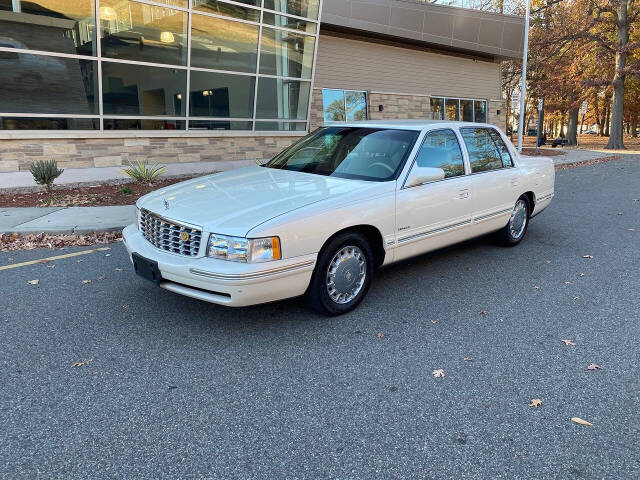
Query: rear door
pixel 437 213
pixel 494 178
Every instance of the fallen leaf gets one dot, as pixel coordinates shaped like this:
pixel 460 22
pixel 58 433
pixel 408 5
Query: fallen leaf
pixel 434 321
pixel 51 266
pixel 567 283
pixel 536 287
pixel 483 312
pixel 467 359
pixel 81 364
pixel 94 373
pixel 380 335
pixel 79 261
pixel 619 213
pixel 580 421
pixel 548 261
pixel 576 298
pixel 438 373
pixel 582 274
pixel 118 269
pixel 33 282
pixel 101 277
pixel 587 256
pixel 631 229
pixel 86 281
pixel 593 366
pixel 535 402
pixel 567 342
pixel 125 306
pixel 107 254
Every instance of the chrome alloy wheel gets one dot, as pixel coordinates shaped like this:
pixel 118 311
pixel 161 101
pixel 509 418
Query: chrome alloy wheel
pixel 518 220
pixel 346 274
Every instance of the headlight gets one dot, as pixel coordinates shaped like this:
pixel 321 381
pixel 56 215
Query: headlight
pixel 245 250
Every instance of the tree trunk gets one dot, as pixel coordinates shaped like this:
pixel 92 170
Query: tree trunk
pixel 607 122
pixel 572 127
pixel 634 126
pixel 617 108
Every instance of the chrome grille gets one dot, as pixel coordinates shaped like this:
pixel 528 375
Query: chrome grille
pixel 167 235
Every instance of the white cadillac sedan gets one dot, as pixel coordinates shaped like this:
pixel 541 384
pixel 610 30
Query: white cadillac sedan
pixel 323 215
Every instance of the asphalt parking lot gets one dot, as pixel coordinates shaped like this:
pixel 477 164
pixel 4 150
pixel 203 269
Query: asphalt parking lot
pixel 169 387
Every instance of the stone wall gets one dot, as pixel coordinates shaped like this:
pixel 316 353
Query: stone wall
pixel 18 154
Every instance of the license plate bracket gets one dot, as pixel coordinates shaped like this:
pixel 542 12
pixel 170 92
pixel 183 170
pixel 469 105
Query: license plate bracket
pixel 146 268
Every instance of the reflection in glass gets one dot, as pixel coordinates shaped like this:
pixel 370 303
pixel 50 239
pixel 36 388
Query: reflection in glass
pixel 280 98
pixel 452 109
pixel 286 54
pixel 466 110
pixel 437 108
pixel 356 106
pixel 221 95
pixel 146 33
pixel 289 22
pixel 142 124
pixel 480 111
pixel 300 8
pixel 63 26
pixel 40 123
pixel 333 105
pixel 228 10
pixel 483 154
pixel 442 150
pixel 223 44
pixel 281 126
pixel 141 90
pixel 219 125
pixel 42 84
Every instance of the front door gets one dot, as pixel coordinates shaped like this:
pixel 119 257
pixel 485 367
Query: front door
pixel 438 213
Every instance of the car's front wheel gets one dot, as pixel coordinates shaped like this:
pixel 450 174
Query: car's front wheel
pixel 342 275
pixel 515 230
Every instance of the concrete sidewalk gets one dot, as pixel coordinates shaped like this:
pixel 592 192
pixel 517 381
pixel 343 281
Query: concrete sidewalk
pixel 58 221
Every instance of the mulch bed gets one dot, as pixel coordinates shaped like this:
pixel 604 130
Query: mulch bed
pixel 12 242
pixel 542 152
pixel 86 196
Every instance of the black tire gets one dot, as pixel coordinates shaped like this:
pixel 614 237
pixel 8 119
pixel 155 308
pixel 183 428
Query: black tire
pixel 510 237
pixel 318 294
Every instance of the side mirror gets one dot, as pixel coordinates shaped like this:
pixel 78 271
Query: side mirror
pixel 420 175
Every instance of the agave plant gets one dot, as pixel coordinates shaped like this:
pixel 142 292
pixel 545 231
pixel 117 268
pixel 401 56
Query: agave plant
pixel 143 172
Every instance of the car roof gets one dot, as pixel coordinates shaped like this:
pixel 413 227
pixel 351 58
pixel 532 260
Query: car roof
pixel 406 124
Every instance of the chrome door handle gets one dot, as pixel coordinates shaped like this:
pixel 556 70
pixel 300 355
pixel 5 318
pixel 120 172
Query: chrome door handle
pixel 463 194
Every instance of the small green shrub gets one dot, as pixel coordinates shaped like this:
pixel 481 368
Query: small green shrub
pixel 126 190
pixel 45 172
pixel 143 172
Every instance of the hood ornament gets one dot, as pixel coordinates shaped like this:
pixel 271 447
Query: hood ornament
pixel 166 204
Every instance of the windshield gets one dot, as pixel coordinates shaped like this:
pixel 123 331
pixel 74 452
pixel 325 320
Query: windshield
pixel 374 154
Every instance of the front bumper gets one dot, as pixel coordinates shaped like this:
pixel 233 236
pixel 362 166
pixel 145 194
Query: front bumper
pixel 223 282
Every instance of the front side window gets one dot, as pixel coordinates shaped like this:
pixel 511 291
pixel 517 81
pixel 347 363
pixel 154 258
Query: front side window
pixel 441 150
pixel 341 105
pixel 484 154
pixel 373 154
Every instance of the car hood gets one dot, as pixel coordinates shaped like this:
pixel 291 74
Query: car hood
pixel 234 202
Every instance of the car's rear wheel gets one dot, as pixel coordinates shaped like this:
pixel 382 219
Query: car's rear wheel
pixel 342 275
pixel 516 229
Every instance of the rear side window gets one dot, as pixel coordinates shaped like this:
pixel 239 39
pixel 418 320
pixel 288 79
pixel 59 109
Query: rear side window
pixel 442 150
pixel 487 150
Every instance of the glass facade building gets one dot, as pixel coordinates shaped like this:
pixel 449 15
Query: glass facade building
pixel 157 65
